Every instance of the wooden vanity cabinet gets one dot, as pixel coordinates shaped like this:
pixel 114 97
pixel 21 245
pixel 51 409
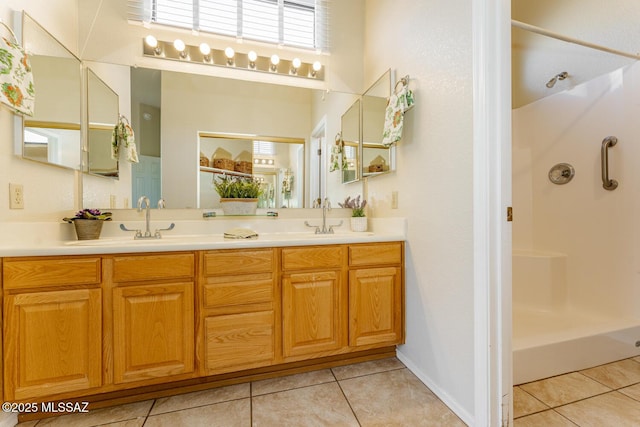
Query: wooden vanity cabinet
pixel 52 326
pixel 376 294
pixel 314 301
pixel 153 317
pixel 239 311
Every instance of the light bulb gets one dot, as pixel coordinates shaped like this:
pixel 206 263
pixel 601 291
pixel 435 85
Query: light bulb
pixel 205 49
pixel 275 59
pixel 317 66
pixel 229 52
pixel 252 56
pixel 296 63
pixel 179 45
pixel 151 41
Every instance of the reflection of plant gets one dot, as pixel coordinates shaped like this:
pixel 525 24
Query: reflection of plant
pixel 237 188
pixel 287 184
pixel 356 206
pixel 90 214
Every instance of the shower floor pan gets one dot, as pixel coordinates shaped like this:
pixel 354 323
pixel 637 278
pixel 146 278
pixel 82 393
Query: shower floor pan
pixel 549 343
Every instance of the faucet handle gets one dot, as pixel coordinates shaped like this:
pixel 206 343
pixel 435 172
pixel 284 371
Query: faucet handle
pixel 138 232
pixel 157 234
pixel 161 203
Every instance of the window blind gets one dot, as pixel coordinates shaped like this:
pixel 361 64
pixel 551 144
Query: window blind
pixel 296 23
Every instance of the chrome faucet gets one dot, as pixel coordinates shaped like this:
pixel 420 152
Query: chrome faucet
pixel 144 200
pixel 326 208
pixel 144 203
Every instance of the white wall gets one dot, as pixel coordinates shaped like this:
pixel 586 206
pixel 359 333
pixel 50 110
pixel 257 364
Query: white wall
pixel 596 228
pixel 431 41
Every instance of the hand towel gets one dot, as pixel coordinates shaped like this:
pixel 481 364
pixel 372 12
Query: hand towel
pixel 394 115
pixel 123 135
pixel 16 79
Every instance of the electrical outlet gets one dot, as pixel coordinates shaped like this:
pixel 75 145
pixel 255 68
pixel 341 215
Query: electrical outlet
pixel 16 196
pixel 112 201
pixel 394 200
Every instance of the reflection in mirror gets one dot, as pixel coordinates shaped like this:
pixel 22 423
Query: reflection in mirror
pixel 102 104
pixel 350 132
pixel 170 109
pixel 376 158
pixel 52 135
pixel 277 163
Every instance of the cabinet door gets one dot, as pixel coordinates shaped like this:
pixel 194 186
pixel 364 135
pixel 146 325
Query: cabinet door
pixel 153 331
pixel 312 313
pixel 52 342
pixel 375 306
pixel 239 341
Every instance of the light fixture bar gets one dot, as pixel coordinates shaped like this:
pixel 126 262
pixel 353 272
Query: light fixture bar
pixel 218 57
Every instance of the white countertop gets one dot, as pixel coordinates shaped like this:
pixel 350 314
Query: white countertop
pixel 55 238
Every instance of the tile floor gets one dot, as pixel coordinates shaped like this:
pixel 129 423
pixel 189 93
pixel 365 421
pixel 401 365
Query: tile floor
pixel 376 393
pixel 607 395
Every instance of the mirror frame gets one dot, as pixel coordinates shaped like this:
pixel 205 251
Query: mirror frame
pixel 357 143
pixel 22 123
pixel 99 126
pixel 389 74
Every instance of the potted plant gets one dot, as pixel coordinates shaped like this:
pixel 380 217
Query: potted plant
pixel 238 195
pixel 88 223
pixel 358 214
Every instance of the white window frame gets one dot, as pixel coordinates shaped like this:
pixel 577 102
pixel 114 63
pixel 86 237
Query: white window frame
pixel 286 33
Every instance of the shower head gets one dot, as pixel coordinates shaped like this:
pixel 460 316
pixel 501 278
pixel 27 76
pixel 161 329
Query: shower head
pixel 563 75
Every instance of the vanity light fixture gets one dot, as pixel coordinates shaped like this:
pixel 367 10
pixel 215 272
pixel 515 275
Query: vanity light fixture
pixel 203 54
pixel 205 50
pixel 315 68
pixel 252 56
pixel 152 42
pixel 295 65
pixel 180 47
pixel 229 53
pixel 275 60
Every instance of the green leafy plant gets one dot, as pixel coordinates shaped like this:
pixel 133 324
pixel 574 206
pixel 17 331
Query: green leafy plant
pixel 229 187
pixel 90 214
pixel 356 206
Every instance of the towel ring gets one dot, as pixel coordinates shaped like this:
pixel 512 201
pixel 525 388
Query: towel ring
pixel 15 39
pixel 404 81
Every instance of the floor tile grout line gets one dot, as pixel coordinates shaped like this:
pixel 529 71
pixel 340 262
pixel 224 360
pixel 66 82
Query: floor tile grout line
pixel 371 373
pixel 346 398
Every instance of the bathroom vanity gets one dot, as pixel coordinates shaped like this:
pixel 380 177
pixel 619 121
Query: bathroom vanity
pixel 119 325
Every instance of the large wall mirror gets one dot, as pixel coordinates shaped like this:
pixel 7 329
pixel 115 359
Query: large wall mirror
pixel 52 135
pixel 102 105
pixel 376 158
pixel 180 117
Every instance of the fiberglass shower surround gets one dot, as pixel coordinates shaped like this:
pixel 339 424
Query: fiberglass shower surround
pixel 576 294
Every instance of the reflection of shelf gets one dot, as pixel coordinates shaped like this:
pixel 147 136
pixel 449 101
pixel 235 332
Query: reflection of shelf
pixel 223 171
pixel 373 173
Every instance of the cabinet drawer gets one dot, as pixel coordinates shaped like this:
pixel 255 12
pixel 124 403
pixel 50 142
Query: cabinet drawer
pixel 153 267
pixel 238 290
pixel 314 257
pixel 238 262
pixel 381 253
pixel 239 341
pixel 51 272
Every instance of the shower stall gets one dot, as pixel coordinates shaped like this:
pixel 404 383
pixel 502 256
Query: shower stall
pixel 576 259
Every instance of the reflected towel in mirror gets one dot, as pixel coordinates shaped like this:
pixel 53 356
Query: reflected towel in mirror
pixel 123 136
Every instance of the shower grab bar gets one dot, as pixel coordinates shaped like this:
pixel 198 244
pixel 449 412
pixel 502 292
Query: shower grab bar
pixel 607 183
